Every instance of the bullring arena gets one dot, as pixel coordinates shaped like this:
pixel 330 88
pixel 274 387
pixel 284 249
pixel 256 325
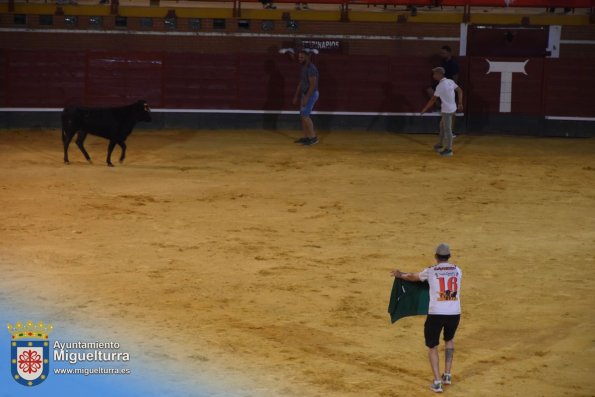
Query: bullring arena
pixel 223 254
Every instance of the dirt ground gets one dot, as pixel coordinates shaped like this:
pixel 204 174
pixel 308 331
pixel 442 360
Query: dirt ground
pixel 267 265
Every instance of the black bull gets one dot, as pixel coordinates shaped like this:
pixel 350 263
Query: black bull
pixel 113 124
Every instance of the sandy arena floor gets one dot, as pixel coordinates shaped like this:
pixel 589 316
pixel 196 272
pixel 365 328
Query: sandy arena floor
pixel 267 264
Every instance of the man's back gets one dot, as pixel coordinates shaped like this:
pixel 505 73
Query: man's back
pixel 451 68
pixel 445 288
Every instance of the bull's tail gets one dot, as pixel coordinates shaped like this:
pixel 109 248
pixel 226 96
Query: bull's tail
pixel 65 138
pixel 64 121
pixel 63 130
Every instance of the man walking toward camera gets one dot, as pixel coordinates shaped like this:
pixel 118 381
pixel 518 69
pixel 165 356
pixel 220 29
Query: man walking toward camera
pixel 307 95
pixel 444 311
pixel 445 90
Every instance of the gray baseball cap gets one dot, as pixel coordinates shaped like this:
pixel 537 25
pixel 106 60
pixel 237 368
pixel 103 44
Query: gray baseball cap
pixel 443 249
pixel 439 69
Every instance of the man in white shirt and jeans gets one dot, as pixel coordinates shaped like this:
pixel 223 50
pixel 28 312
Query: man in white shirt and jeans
pixel 445 90
pixel 444 311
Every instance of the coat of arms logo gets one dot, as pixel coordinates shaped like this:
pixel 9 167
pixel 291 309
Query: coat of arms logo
pixel 29 352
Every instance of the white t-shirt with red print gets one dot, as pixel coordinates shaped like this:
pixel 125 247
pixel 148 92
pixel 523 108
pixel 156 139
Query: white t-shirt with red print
pixel 445 288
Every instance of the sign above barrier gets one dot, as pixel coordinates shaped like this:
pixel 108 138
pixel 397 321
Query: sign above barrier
pixel 322 45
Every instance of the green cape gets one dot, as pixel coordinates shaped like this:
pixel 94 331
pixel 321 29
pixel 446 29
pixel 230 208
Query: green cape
pixel 408 299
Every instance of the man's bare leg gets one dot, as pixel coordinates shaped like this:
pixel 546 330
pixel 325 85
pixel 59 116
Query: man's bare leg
pixel 304 127
pixel 448 355
pixel 308 127
pixel 434 362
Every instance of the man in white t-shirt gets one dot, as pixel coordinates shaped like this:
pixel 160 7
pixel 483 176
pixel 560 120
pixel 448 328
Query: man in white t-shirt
pixel 444 311
pixel 445 90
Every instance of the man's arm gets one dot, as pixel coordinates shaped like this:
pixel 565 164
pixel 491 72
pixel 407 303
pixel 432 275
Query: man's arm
pixel 297 94
pixel 460 96
pixel 311 88
pixel 429 105
pixel 413 277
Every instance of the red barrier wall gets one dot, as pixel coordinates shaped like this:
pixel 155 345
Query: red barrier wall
pixel 522 3
pixel 113 78
pixel 471 3
pixel 484 88
pixel 43 79
pixel 267 82
pixel 568 87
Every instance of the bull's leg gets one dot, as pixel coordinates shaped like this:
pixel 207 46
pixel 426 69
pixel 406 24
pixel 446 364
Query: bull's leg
pixel 66 138
pixel 79 142
pixel 123 155
pixel 110 149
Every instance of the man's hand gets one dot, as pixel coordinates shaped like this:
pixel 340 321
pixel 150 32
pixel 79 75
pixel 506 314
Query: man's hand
pixel 430 103
pixel 460 95
pixel 295 100
pixel 412 277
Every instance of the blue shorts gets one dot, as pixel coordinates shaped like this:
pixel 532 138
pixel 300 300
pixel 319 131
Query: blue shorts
pixel 305 111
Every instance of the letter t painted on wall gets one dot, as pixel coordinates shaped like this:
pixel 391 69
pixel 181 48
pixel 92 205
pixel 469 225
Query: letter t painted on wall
pixel 506 69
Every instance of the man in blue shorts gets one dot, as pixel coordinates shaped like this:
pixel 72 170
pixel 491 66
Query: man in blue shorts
pixel 307 94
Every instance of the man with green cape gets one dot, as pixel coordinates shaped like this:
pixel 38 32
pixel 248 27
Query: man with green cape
pixel 436 290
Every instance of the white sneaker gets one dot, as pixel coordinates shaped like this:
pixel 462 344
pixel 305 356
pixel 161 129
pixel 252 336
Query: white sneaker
pixel 446 379
pixel 436 387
